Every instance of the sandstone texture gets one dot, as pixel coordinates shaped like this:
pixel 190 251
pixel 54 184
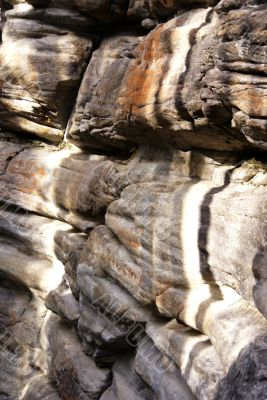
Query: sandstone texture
pixel 133 214
pixel 41 67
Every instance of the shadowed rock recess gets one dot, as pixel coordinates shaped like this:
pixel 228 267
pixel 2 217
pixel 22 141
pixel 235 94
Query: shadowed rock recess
pixel 133 200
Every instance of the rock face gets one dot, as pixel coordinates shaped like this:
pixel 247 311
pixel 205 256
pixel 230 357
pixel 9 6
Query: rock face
pixel 41 68
pixel 92 123
pixel 192 82
pixel 133 215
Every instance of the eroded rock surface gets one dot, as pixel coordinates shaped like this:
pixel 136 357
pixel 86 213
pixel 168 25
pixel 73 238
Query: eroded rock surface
pixel 41 69
pixel 133 253
pixel 192 82
pixel 93 117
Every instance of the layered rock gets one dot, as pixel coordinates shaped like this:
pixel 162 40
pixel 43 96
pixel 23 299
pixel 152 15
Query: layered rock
pixel 102 10
pixel 175 223
pixel 24 364
pixel 92 123
pixel 239 78
pixel 77 375
pixel 59 183
pixel 192 82
pixel 39 79
pixel 132 261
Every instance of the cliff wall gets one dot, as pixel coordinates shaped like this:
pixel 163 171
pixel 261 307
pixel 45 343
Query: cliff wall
pixel 133 214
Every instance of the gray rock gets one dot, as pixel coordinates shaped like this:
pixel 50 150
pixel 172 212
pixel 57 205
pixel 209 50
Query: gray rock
pixel 24 364
pixel 193 353
pixel 107 331
pixel 64 304
pixel 149 23
pixel 92 122
pixel 153 254
pixel 76 374
pixel 14 299
pixel 41 388
pixel 110 297
pixel 103 10
pixel 140 9
pixel 247 377
pixel 160 373
pixel 126 383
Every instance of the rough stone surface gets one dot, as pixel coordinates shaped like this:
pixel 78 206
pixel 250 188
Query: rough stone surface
pixel 192 83
pixel 193 353
pixel 39 79
pixel 186 225
pixel 126 383
pixel 160 373
pixel 59 183
pixel 62 302
pixel 93 116
pixel 133 253
pixel 76 374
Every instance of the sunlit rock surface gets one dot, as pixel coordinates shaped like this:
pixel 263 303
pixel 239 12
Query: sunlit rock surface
pixel 41 68
pixel 133 248
pixel 194 82
pixel 61 183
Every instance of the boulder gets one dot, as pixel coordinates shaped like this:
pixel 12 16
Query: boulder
pixel 126 382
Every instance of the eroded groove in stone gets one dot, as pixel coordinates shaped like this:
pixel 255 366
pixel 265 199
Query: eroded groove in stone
pixel 133 254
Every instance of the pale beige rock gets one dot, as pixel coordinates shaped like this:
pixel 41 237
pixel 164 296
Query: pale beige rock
pixel 31 239
pixel 60 183
pixel 193 353
pixel 230 322
pixel 39 78
pixel 33 271
pixel 33 233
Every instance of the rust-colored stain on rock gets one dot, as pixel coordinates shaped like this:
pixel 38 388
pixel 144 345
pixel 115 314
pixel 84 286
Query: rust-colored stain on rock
pixel 142 78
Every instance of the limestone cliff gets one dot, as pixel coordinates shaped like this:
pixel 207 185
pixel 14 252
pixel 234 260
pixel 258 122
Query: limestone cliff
pixel 133 211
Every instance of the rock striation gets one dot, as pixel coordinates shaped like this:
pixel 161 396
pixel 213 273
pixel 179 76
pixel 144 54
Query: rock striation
pixel 133 215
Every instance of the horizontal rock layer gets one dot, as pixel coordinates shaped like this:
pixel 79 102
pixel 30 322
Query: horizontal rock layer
pixel 133 248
